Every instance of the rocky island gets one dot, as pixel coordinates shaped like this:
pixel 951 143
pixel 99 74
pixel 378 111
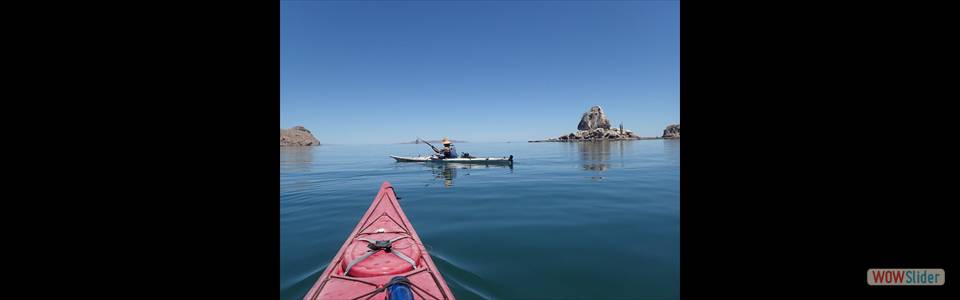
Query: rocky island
pixel 672 132
pixel 594 126
pixel 297 136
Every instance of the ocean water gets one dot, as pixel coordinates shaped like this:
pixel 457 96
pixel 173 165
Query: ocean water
pixel 590 220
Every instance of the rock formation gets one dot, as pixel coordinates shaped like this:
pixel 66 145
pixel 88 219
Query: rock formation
pixel 297 136
pixel 672 131
pixel 593 119
pixel 594 125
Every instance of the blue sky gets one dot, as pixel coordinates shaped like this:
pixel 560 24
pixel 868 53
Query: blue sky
pixel 363 72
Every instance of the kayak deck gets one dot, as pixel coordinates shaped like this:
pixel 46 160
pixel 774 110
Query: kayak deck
pixel 472 160
pixel 359 271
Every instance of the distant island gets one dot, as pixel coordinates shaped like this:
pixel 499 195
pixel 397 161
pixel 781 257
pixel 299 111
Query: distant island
pixel 594 126
pixel 672 132
pixel 432 142
pixel 297 136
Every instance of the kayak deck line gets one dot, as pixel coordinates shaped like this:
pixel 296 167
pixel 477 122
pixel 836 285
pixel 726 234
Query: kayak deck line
pixel 362 269
pixel 473 160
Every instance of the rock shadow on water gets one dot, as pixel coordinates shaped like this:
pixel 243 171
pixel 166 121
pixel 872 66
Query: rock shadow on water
pixel 296 159
pixel 671 145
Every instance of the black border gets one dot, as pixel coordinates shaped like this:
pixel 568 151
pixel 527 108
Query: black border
pixel 801 141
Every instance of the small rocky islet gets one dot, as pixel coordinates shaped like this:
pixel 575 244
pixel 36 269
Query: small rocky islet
pixel 297 136
pixel 594 126
pixel 672 132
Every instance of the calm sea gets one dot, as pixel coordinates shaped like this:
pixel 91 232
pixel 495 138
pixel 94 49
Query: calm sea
pixel 591 220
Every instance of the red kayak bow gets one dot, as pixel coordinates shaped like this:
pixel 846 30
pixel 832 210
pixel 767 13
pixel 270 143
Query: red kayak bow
pixel 382 256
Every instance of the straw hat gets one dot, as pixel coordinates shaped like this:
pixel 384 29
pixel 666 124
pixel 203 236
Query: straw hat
pixel 446 141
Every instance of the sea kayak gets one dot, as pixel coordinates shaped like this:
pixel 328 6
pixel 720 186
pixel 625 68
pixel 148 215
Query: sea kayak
pixel 472 160
pixel 383 255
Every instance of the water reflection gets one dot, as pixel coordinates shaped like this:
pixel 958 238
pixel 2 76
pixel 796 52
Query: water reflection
pixel 296 159
pixel 447 172
pixel 671 149
pixel 595 156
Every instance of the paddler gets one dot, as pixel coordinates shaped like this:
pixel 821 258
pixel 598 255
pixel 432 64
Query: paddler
pixel 449 151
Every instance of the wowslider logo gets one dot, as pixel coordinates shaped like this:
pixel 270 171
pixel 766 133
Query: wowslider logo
pixel 905 276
